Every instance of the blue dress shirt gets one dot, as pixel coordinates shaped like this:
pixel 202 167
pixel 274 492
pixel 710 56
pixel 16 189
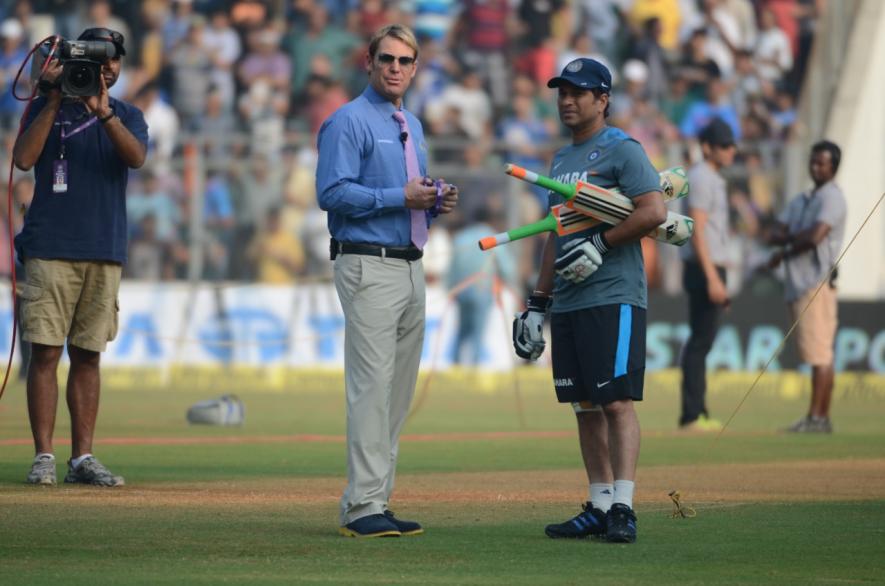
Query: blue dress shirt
pixel 361 171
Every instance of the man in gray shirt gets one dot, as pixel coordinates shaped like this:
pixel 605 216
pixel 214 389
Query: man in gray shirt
pixel 704 273
pixel 811 230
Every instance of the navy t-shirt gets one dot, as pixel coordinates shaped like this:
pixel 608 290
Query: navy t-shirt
pixel 88 221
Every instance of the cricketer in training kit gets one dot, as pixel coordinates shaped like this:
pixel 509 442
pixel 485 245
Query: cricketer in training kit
pixel 594 283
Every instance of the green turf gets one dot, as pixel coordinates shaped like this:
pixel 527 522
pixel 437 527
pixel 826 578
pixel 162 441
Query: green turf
pixel 85 536
pixel 749 544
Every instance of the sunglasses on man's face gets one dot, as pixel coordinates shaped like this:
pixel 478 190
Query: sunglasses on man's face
pixel 388 59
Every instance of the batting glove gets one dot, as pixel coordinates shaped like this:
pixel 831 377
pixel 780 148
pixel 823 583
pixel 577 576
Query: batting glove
pixel 581 257
pixel 528 328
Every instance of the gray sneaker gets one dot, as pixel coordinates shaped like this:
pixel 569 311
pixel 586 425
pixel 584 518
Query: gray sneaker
pixel 42 471
pixel 801 426
pixel 820 425
pixel 91 471
pixel 809 424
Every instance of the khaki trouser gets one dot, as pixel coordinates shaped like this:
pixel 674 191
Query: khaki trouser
pixel 816 333
pixel 383 303
pixel 73 300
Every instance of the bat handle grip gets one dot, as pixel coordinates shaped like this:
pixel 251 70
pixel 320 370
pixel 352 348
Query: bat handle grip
pixel 490 242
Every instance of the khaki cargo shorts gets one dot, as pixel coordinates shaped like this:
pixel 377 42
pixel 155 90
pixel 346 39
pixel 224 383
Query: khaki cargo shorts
pixel 816 333
pixel 73 300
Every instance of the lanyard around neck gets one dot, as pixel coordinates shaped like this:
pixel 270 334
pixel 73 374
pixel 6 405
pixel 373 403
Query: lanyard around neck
pixel 64 135
pixel 81 128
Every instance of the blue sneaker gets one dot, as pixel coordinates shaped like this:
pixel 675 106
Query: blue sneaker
pixel 588 523
pixel 620 523
pixel 405 527
pixel 376 525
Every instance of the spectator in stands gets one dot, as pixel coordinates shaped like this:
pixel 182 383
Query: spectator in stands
pixel 434 20
pixel 12 55
pixel 162 119
pixel 323 96
pixel 633 87
pixel 265 61
pixel 101 15
pixel 319 38
pixel 435 74
pixel 649 51
pixel 248 15
pixel 148 256
pixel 37 26
pixel 678 100
pixel 261 190
pixel 668 13
pixel 224 45
pixel 743 17
pixel 696 65
pixel 152 200
pixel 218 217
pixel 218 129
pixel 746 84
pixel 372 15
pixel 542 109
pixel 178 25
pixel 773 54
pixel 264 110
pixel 526 139
pixel 537 37
pixel 190 64
pixel 482 35
pixel 153 50
pixel 783 117
pixel 717 105
pixel 472 102
pixel 277 254
pixel 601 21
pixel 23 194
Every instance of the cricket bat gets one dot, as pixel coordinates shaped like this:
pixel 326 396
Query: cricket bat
pixel 574 216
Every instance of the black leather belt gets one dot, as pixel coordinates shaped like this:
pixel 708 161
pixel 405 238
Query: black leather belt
pixel 400 252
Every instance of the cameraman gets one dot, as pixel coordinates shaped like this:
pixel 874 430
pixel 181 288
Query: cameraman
pixel 74 245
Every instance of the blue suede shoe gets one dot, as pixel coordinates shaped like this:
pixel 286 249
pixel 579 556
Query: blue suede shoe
pixel 405 527
pixel 377 525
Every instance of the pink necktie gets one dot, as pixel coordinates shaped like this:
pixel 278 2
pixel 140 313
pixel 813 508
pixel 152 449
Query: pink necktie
pixel 419 218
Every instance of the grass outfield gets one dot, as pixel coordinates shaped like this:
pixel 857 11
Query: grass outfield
pixel 483 471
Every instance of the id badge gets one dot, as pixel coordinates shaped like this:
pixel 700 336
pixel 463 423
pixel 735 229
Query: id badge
pixel 60 176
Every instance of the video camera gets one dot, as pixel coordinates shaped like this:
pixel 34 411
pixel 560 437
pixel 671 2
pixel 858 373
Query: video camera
pixel 81 63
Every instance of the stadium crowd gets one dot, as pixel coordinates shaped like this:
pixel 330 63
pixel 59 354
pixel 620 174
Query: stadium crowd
pixel 249 82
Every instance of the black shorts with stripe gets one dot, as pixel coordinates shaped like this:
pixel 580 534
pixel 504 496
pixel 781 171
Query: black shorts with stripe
pixel 599 354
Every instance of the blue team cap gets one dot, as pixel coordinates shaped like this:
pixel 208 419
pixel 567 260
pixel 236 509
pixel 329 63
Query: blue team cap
pixel 584 73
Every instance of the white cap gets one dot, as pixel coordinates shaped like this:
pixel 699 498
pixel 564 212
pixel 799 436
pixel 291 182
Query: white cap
pixel 11 29
pixel 636 71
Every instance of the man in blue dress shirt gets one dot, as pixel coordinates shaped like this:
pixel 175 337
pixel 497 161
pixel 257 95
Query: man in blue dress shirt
pixel 371 178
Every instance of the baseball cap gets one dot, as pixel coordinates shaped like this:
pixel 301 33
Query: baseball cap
pixel 584 73
pixel 104 34
pixel 717 133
